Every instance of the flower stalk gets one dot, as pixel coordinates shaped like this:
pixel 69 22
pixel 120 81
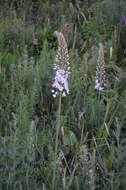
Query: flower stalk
pixel 60 86
pixel 56 142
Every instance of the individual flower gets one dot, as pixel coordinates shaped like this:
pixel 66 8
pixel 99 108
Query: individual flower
pixel 34 40
pixel 100 70
pixel 68 27
pixel 125 19
pixel 61 67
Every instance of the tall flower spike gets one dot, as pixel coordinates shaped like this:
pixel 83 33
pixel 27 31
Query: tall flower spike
pixel 100 70
pixel 61 67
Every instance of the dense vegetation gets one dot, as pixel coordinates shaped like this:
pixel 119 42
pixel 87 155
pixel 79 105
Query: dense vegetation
pixel 89 150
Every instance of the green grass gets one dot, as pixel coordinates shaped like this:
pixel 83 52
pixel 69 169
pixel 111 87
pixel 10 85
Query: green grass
pixel 32 155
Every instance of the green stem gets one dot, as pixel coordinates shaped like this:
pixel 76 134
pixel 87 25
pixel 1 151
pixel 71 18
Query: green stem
pixel 75 36
pixel 56 143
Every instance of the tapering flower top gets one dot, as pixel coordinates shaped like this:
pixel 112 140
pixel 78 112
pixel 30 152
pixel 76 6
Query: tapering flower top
pixel 61 67
pixel 100 70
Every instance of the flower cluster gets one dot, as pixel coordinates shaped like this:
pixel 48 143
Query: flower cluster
pixel 100 70
pixel 61 67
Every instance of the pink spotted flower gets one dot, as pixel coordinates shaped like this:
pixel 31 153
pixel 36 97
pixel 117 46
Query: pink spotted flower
pixel 125 19
pixel 68 27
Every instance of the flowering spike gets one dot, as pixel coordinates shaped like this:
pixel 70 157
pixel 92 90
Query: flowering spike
pixel 100 70
pixel 61 67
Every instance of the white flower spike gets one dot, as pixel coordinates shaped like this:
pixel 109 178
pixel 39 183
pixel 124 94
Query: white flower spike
pixel 61 67
pixel 100 70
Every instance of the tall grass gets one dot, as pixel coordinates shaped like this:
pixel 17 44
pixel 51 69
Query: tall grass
pixel 82 145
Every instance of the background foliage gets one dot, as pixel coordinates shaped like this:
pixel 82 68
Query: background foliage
pixel 93 155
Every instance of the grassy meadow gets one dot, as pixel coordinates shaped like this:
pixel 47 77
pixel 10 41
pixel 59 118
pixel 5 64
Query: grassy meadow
pixel 76 142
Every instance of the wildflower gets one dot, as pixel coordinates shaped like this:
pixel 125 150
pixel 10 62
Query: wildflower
pixel 125 19
pixel 100 70
pixel 13 28
pixel 68 27
pixel 34 40
pixel 61 67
